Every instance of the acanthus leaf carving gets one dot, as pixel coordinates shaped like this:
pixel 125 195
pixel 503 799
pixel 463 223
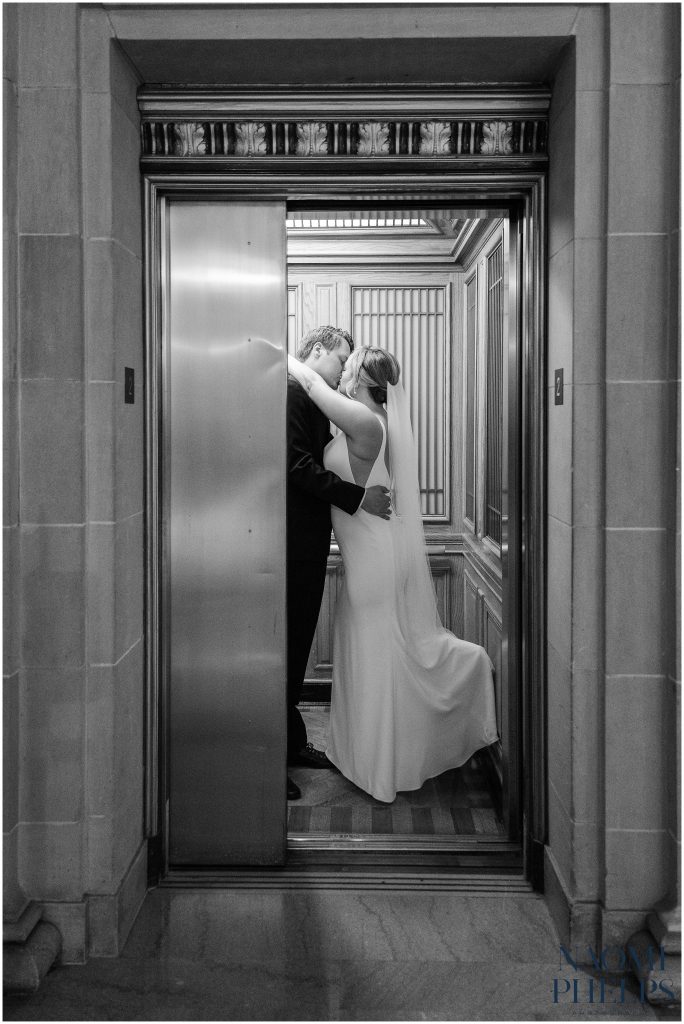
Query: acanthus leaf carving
pixel 189 139
pixel 364 139
pixel 373 138
pixel 497 137
pixel 250 138
pixel 312 138
pixel 435 138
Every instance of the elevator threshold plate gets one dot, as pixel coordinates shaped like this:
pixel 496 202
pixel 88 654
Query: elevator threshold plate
pixel 483 885
pixel 392 843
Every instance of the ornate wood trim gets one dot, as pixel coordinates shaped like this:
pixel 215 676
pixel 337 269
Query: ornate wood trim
pixel 212 127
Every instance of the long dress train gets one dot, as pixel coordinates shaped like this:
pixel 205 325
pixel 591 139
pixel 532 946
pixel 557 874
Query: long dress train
pixel 402 711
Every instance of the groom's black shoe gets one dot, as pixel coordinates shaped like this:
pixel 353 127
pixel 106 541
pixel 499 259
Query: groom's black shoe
pixel 293 790
pixel 309 757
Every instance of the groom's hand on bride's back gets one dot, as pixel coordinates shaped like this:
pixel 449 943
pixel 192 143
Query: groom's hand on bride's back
pixel 376 501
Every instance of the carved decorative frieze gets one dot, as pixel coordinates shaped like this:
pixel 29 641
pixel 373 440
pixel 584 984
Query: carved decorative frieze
pixel 497 137
pixel 312 138
pixel 374 138
pixel 367 138
pixel 250 139
pixel 435 138
pixel 189 139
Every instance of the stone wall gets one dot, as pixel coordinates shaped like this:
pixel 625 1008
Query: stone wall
pixel 640 373
pixel 74 511
pixel 73 481
pixel 574 485
pixel 14 900
pixel 613 277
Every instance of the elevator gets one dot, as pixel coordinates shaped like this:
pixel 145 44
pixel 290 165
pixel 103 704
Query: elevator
pixel 219 300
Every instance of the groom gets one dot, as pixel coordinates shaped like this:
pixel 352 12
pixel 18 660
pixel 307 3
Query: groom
pixel 311 490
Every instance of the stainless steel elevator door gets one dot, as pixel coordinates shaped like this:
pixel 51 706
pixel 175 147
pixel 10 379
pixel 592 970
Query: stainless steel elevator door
pixel 225 322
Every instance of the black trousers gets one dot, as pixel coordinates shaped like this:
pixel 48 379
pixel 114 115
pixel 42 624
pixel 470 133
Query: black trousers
pixel 305 583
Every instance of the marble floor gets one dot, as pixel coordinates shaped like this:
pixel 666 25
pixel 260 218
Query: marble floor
pixel 458 802
pixel 331 955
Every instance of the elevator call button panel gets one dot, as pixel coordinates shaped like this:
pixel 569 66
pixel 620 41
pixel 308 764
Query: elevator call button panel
pixel 558 387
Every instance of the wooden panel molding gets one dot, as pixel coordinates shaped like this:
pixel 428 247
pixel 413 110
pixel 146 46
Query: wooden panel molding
pixel 493 636
pixel 319 666
pixel 471 606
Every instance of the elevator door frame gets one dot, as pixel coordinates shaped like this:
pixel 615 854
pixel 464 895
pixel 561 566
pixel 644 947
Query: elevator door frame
pixel 520 196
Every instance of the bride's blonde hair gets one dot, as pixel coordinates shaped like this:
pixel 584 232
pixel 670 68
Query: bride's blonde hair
pixel 376 368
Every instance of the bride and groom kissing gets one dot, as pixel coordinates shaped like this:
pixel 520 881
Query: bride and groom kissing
pixel 409 699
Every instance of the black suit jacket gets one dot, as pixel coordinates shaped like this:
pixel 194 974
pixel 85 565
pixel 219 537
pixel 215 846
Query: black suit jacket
pixel 311 489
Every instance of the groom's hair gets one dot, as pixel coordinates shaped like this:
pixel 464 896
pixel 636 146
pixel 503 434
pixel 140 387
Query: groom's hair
pixel 329 337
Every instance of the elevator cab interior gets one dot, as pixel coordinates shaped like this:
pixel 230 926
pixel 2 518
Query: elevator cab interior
pixel 429 286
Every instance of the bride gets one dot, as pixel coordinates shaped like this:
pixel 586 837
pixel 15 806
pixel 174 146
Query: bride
pixel 409 699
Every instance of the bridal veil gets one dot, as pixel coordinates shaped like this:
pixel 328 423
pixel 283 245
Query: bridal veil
pixel 415 595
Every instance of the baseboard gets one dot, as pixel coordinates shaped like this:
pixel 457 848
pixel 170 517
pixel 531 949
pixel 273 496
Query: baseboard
pixel 98 925
pixel 556 897
pixel 578 922
pixel 111 917
pixel 316 691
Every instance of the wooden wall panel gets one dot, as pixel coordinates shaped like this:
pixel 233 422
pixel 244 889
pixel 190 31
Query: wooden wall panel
pixel 294 316
pixel 441 578
pixel 455 623
pixel 325 304
pixel 471 610
pixel 483 619
pixel 492 641
pixel 411 322
pixel 309 318
pixel 319 665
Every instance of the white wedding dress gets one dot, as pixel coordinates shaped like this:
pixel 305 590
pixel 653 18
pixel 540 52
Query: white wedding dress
pixel 402 710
